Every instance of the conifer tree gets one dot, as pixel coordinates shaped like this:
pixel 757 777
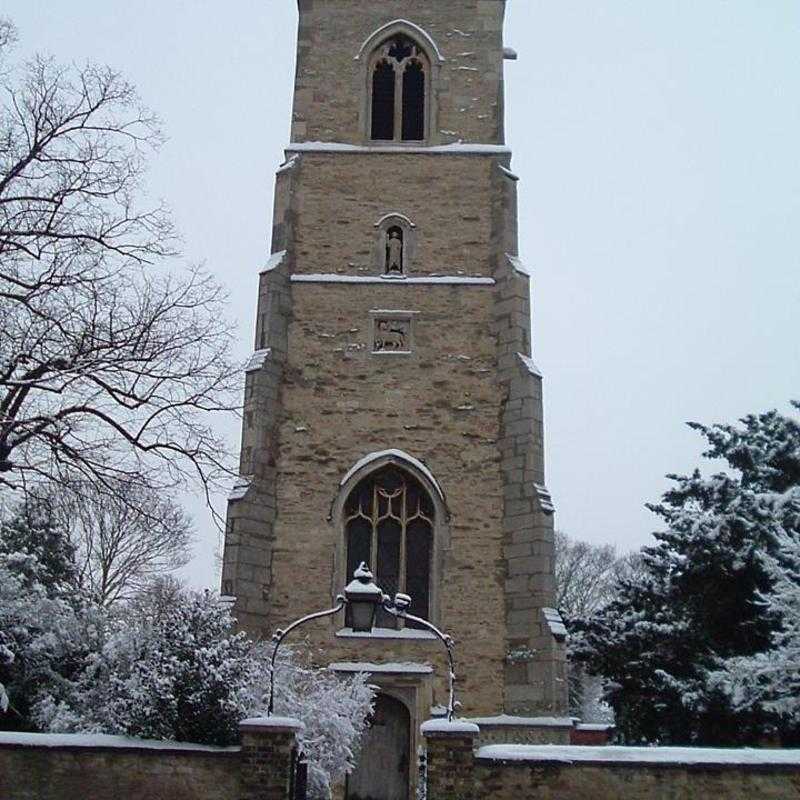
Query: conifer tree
pixel 699 599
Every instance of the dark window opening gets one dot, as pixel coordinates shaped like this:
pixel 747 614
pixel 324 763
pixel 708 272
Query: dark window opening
pixel 414 102
pixel 383 101
pixel 389 526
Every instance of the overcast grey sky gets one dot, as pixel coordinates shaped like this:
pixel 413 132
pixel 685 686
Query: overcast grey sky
pixel 657 143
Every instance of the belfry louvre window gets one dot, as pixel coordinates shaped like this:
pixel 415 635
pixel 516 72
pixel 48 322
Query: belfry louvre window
pixel 399 90
pixel 389 526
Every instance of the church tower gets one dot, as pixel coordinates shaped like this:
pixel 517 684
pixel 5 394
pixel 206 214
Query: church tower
pixel 393 412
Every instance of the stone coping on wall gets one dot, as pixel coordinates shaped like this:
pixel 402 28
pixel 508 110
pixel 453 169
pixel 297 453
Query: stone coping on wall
pixel 640 756
pixel 443 727
pixel 272 723
pixel 102 741
pixel 524 722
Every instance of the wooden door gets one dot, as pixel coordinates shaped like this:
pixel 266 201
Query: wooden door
pixel 382 771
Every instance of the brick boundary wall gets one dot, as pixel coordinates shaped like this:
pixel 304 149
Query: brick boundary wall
pixel 68 767
pixel 457 771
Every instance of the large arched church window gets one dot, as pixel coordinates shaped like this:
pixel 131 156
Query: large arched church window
pixel 400 85
pixel 389 520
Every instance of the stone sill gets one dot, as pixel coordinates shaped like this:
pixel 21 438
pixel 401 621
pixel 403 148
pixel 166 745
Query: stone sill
pixel 406 634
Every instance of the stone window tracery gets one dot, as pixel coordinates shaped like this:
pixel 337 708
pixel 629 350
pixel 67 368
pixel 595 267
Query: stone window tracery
pixel 389 523
pixel 399 90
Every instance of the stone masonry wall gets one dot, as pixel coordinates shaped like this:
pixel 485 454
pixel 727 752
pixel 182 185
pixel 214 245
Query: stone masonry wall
pixel 512 781
pixel 456 772
pixel 340 197
pixel 330 83
pixel 68 766
pixel 440 405
pixel 66 773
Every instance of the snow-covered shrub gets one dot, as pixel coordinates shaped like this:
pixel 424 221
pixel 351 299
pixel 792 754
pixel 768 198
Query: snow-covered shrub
pixel 334 709
pixel 176 670
pixel 177 674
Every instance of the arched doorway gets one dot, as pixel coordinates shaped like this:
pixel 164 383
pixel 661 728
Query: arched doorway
pixel 383 767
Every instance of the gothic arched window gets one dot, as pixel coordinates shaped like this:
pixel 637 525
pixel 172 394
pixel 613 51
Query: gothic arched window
pixel 389 521
pixel 399 91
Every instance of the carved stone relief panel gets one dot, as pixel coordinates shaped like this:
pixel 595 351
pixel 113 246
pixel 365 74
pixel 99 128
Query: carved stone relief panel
pixel 392 331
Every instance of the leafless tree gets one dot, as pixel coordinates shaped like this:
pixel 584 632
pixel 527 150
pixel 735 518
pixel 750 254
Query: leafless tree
pixel 109 363
pixel 587 576
pixel 125 540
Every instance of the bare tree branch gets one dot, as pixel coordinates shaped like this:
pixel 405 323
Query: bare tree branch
pixel 109 364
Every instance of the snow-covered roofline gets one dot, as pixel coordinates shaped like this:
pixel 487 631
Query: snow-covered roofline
pixel 396 26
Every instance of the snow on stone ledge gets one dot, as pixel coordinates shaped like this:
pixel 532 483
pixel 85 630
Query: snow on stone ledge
pixel 257 360
pixel 334 277
pixel 554 622
pixel 508 173
pixel 240 487
pixel 528 722
pixel 576 754
pixel 279 723
pixel 275 260
pixel 101 740
pixel 385 633
pixel 395 668
pixel 519 267
pixel 289 164
pixel 529 364
pixel 545 498
pixel 389 454
pixel 456 727
pixel 455 148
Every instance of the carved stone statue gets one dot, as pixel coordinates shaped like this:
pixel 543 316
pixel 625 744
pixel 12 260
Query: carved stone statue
pixel 394 254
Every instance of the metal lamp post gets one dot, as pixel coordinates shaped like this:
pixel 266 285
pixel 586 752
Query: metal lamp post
pixel 363 597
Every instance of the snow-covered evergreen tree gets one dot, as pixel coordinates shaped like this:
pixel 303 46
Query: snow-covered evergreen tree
pixel 772 677
pixel 32 528
pixel 39 636
pixel 697 601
